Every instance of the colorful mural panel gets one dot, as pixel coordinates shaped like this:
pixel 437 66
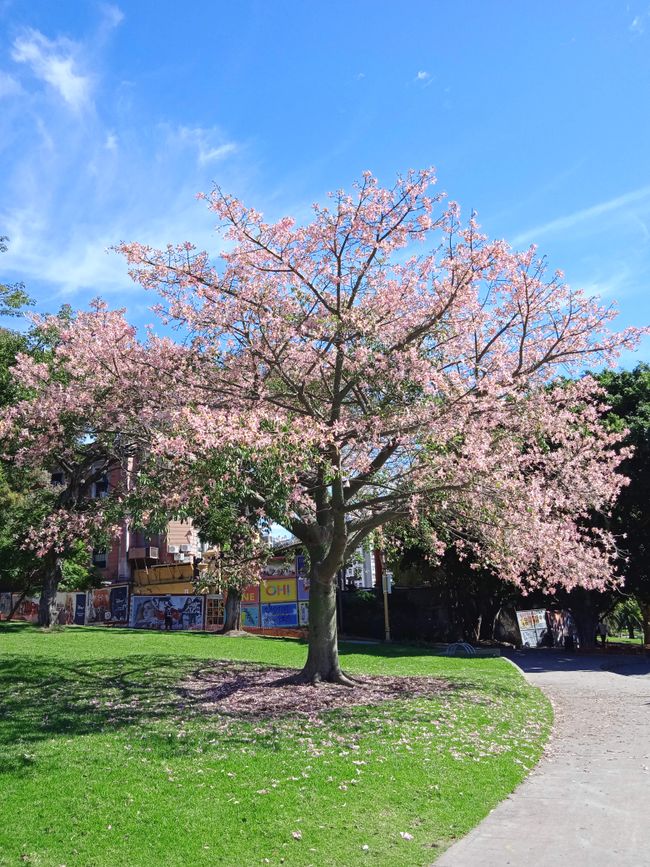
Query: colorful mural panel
pixel 5 605
pixel 108 606
pixel 278 590
pixel 303 588
pixel 250 615
pixel 70 608
pixel 27 609
pixel 279 615
pixel 303 613
pixel 251 595
pixel 167 612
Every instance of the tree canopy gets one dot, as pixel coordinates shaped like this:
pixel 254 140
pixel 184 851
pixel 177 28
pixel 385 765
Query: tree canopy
pixel 628 393
pixel 397 359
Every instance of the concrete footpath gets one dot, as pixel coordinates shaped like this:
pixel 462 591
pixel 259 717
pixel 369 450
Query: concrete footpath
pixel 587 804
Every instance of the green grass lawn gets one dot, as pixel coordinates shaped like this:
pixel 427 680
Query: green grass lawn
pixel 625 639
pixel 102 763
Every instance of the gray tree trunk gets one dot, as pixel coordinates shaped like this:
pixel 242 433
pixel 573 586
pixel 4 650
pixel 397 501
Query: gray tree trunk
pixel 645 618
pixel 232 613
pixel 47 604
pixel 323 654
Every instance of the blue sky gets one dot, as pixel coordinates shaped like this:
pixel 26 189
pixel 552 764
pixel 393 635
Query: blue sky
pixel 112 118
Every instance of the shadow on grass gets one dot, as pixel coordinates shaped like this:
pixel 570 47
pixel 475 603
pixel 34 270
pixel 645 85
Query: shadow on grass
pixel 41 699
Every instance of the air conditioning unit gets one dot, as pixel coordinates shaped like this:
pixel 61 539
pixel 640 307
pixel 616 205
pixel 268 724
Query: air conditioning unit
pixel 184 548
pixel 172 549
pixel 152 553
pixel 178 558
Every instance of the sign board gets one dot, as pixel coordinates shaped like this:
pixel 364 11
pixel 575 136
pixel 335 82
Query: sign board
pixel 532 626
pixel 251 595
pixel 278 590
pixel 276 616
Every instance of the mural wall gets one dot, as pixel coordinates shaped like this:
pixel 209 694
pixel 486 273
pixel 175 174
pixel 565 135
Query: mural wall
pixel 280 601
pixel 5 605
pixel 71 608
pixel 170 613
pixel 108 606
pixel 27 610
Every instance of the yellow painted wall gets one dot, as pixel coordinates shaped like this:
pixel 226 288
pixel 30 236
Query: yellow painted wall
pixel 174 578
pixel 175 588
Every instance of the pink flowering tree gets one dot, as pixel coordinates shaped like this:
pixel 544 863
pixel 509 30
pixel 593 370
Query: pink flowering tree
pixel 404 360
pixel 79 428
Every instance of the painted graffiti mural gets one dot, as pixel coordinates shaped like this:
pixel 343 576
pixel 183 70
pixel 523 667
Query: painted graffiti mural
pixel 250 615
pixel 5 605
pixel 70 608
pixel 108 605
pixel 167 612
pixel 27 609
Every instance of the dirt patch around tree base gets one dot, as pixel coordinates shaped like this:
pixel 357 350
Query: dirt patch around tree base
pixel 258 692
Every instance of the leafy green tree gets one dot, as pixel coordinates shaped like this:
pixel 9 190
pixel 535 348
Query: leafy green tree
pixel 13 297
pixel 629 395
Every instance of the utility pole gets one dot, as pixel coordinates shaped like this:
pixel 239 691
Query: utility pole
pixel 386 589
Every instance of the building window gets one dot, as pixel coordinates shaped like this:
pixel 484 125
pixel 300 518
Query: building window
pixel 101 487
pixel 99 559
pixel 57 478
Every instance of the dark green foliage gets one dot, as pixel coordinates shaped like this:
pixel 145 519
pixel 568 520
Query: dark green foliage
pixel 12 297
pixel 629 395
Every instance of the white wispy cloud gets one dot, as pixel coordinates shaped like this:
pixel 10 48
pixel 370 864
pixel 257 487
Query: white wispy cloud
pixel 423 75
pixel 8 85
pixel 639 24
pixel 570 221
pixel 77 182
pixel 56 63
pixel 113 15
pixel 207 143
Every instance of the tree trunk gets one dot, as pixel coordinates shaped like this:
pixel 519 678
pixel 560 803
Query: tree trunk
pixel 232 613
pixel 16 604
pixel 47 605
pixel 645 617
pixel 323 655
pixel 587 607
